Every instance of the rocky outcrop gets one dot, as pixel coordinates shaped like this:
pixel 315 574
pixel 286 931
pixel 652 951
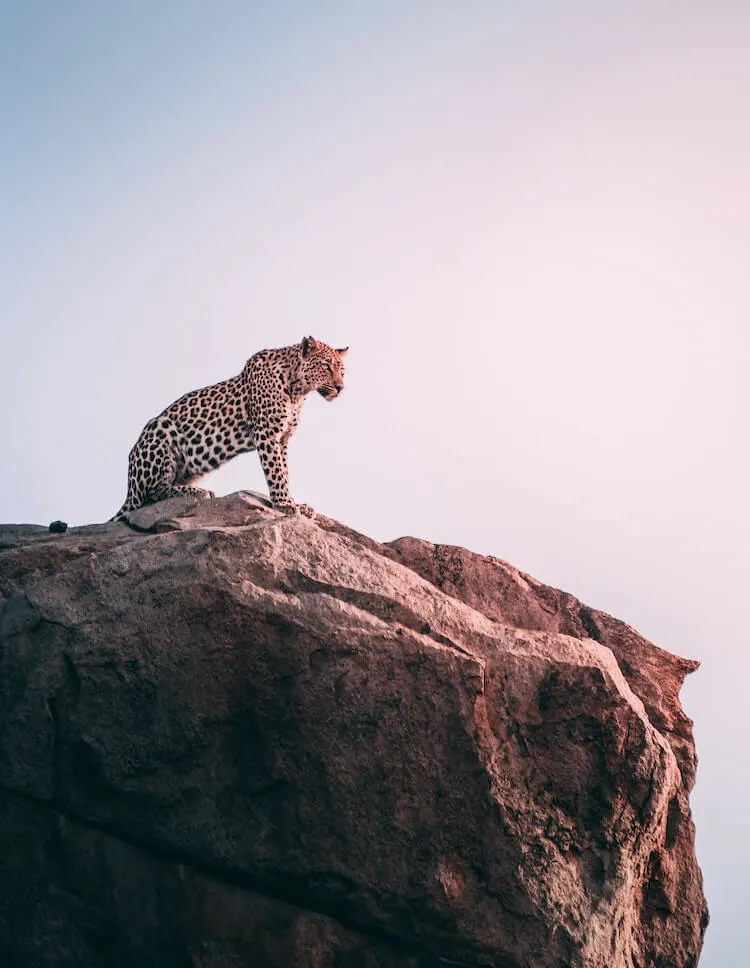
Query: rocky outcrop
pixel 230 737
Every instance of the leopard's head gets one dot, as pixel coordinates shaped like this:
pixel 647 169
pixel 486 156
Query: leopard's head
pixel 321 368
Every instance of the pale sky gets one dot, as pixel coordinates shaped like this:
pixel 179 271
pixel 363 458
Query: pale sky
pixel 529 221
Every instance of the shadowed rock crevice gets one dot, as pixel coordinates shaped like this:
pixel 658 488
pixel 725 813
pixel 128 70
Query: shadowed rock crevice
pixel 99 874
pixel 235 737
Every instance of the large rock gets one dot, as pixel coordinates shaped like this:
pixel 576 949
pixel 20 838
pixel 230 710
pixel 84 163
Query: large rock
pixel 230 737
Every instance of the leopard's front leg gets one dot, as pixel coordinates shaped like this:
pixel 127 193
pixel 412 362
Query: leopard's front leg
pixel 273 460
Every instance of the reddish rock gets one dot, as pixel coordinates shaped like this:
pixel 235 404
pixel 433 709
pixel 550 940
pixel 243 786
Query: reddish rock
pixel 230 737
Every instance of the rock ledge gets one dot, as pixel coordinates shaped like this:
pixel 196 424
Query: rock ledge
pixel 230 737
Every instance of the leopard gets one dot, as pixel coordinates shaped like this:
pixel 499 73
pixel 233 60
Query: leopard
pixel 257 410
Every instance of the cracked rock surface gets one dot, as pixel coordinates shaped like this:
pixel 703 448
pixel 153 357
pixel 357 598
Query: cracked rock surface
pixel 230 737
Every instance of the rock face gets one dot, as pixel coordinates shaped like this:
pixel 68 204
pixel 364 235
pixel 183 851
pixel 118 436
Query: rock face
pixel 230 738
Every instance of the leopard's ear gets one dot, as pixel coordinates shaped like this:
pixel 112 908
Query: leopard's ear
pixel 309 344
pixel 343 351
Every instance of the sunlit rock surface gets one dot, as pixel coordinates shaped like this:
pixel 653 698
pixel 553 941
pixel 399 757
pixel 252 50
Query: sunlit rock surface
pixel 230 737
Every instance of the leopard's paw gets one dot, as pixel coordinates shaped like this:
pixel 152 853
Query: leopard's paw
pixel 289 508
pixel 293 508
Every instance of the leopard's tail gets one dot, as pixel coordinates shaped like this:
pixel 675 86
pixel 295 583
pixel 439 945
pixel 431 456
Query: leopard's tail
pixel 127 506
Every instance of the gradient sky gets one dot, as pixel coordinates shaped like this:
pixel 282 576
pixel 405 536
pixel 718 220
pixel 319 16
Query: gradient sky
pixel 530 222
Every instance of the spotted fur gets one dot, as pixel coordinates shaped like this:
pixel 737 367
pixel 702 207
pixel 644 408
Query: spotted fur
pixel 257 410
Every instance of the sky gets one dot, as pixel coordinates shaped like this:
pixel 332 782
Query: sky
pixel 529 221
